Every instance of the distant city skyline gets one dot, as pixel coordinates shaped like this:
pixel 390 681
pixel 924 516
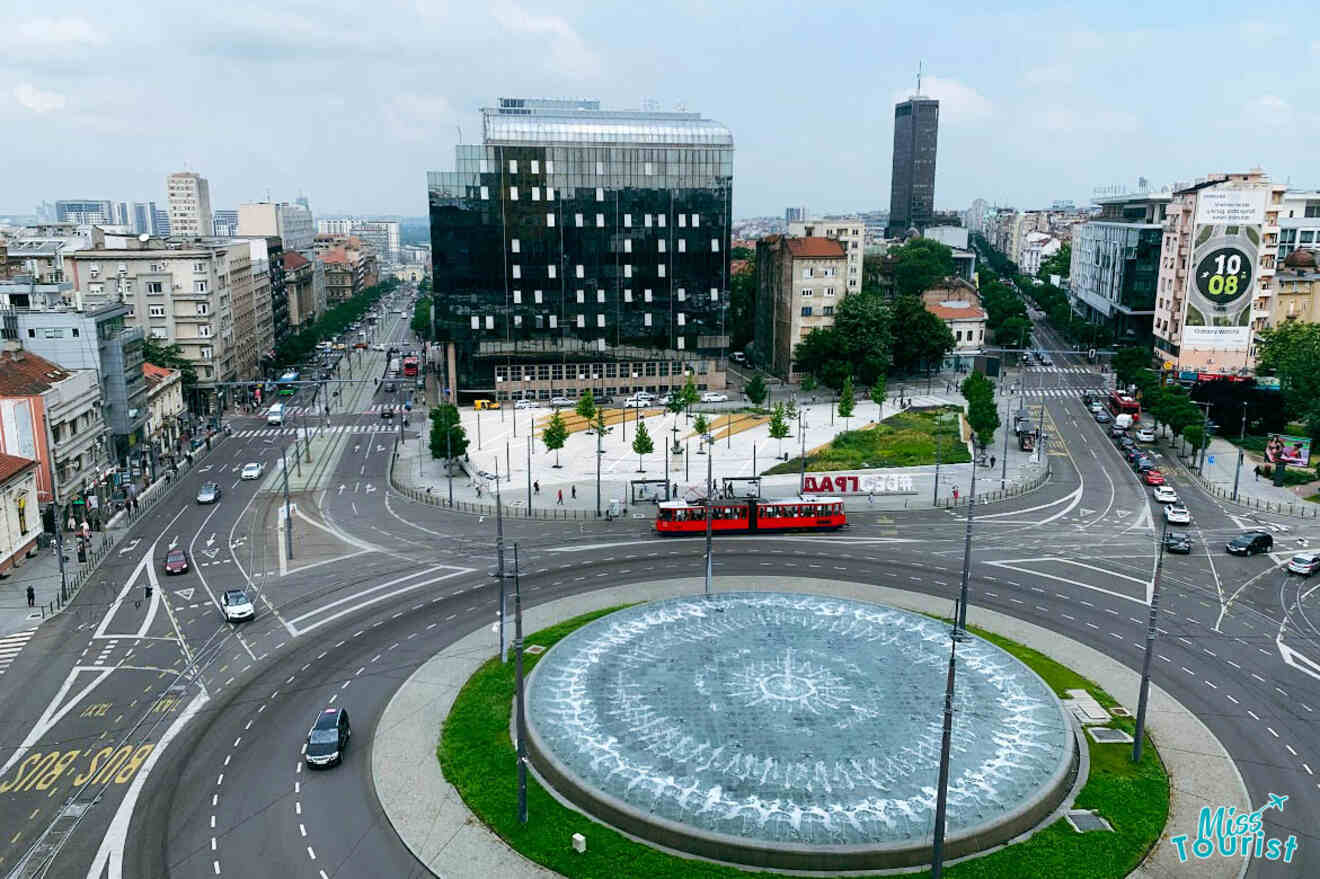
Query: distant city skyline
pixel 1036 103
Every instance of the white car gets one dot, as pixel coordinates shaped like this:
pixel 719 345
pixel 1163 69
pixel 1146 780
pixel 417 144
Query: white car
pixel 525 404
pixel 235 605
pixel 378 347
pixel 1145 435
pixel 637 403
pixel 712 397
pixel 1176 514
pixel 562 401
pixel 1165 495
pixel 1096 407
pixel 1305 563
pixel 253 470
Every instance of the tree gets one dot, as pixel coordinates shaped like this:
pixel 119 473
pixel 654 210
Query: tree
pixel 779 428
pixel 977 387
pixel 925 338
pixel 1058 264
pixel 598 423
pixel 448 437
pixel 421 319
pixel 170 357
pixel 983 416
pixel 690 393
pixel 1194 435
pixel 846 401
pixel 742 253
pixel 1129 361
pixel 586 405
pixel 755 389
pixel 823 356
pixel 1014 332
pixel 642 445
pixel 919 265
pixel 809 381
pixel 1291 351
pixel 742 307
pixel 555 435
pixel 701 426
pixel 878 390
pixel 791 410
pixel 863 327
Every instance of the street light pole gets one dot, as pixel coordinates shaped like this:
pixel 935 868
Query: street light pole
pixel 499 553
pixel 1151 632
pixel 522 699
pixel 961 629
pixel 710 504
pixel 1003 461
pixel 946 748
pixel 288 512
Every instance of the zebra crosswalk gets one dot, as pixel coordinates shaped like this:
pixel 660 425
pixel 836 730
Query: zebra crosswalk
pixel 1071 370
pixel 11 645
pixel 314 430
pixel 292 411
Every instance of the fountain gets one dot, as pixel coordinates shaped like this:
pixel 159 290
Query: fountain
pixel 794 731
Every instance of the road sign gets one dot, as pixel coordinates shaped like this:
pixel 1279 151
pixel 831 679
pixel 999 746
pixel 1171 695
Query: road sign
pixel 1210 459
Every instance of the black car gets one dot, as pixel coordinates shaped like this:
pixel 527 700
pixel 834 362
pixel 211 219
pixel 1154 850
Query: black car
pixel 1141 465
pixel 1250 543
pixel 1177 541
pixel 1133 453
pixel 1127 442
pixel 387 412
pixel 1103 417
pixel 328 738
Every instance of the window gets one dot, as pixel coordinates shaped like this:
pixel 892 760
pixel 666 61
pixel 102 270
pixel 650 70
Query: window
pixel 829 291
pixel 536 166
pixel 682 294
pixel 627 271
pixel 476 322
pixel 646 319
pixel 1308 237
pixel 627 221
pixel 550 220
pixel 155 311
pixel 682 343
pixel 536 193
pixel 714 245
pixel 600 221
pixel 96 289
pixel 515 246
pixel 549 193
pixel 682 221
pixel 807 291
pixel 646 220
pixel 577 220
pixel 660 220
pixel 549 166
pixel 485 193
pixel 600 168
pixel 581 321
pixel 682 245
pixel 648 168
pixel 159 333
pixel 513 166
pixel 204 331
pixel 682 319
pixel 551 271
pixel 554 321
pixel 661 245
pixel 579 269
pixel 807 272
pixel 627 295
pixel 206 353
pixel 536 296
pixel 957 336
pixel 646 295
pixel 696 220
pixel 828 311
pixel 155 288
pixel 513 193
pixel 32 334
pixel 199 268
pixel 600 296
pixel 22 516
pixel 660 270
pixel 517 271
pixel 581 296
pixel 714 294
pixel 490 322
pixel 600 320
pixel 806 311
pixel 517 297
pixel 199 286
pixel 517 320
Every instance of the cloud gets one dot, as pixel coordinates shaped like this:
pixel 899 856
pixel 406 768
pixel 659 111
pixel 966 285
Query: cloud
pixel 569 54
pixel 413 117
pixel 1049 75
pixel 1067 120
pixel 958 102
pixel 36 100
pixel 58 32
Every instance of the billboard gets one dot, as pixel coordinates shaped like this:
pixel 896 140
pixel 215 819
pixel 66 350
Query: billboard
pixel 1294 451
pixel 1226 242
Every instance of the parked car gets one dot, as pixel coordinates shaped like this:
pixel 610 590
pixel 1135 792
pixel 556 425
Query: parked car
pixel 1144 464
pixel 637 403
pixel 1305 563
pixel 1103 417
pixel 1117 431
pixel 328 738
pixel 1152 476
pixel 176 561
pixel 252 470
pixel 525 404
pixel 562 401
pixel 1146 435
pixel 713 397
pixel 1177 514
pixel 236 606
pixel 1250 543
pixel 1177 541
pixel 209 493
pixel 387 412
pixel 1165 495
pixel 1096 407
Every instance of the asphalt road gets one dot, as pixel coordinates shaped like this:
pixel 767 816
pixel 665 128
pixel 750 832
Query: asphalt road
pixel 212 782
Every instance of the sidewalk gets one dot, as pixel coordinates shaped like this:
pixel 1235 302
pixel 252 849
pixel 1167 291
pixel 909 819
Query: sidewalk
pixel 1253 492
pixel 437 827
pixel 506 448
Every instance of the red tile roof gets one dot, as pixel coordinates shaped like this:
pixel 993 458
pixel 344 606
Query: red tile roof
pixel 335 254
pixel 156 374
pixel 294 261
pixel 24 374
pixel 815 248
pixel 945 312
pixel 11 465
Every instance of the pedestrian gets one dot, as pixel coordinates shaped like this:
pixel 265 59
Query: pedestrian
pixel 31 597
pixel 573 488
pixel 955 494
pixel 992 462
pixel 870 497
pixel 536 487
pixel 560 501
pixel 1257 472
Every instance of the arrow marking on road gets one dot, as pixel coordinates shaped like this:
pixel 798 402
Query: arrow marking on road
pixel 185 594
pixel 370 488
pixel 136 540
pixel 341 488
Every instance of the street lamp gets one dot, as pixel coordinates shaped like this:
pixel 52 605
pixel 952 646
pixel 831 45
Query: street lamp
pixel 710 504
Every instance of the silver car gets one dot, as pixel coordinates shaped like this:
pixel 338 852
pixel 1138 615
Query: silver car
pixel 209 493
pixel 236 605
pixel 1305 563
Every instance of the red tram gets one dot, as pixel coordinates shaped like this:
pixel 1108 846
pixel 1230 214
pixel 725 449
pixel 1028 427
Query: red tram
pixel 761 516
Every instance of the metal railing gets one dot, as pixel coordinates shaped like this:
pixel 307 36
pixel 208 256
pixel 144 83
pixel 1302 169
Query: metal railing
pixel 1004 494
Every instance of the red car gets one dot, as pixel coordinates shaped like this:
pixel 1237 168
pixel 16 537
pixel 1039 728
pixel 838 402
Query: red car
pixel 176 561
pixel 1153 477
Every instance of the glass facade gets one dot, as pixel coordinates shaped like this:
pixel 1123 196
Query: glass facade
pixel 912 193
pixel 573 233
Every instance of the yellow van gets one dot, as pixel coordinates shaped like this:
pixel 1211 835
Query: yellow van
pixel 485 404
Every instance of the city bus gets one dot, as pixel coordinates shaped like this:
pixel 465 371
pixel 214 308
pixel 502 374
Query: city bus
pixel 1122 404
pixel 804 513
pixel 288 386
pixel 410 366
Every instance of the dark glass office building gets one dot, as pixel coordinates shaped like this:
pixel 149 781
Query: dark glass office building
pixel 575 247
pixel 912 192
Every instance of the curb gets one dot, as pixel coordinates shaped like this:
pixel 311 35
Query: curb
pixel 432 821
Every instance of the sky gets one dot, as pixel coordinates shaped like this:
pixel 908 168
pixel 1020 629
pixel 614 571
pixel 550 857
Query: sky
pixel 352 103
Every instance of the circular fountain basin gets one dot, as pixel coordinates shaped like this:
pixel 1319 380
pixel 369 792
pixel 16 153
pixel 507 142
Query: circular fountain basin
pixel 794 731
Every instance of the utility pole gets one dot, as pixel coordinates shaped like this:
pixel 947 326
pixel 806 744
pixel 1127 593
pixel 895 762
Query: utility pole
pixel 961 630
pixel 499 553
pixel 946 748
pixel 802 435
pixel 599 452
pixel 710 503
pixel 55 501
pixel 939 453
pixel 522 699
pixel 529 476
pixel 1003 461
pixel 288 513
pixel 1205 440
pixel 449 459
pixel 1151 632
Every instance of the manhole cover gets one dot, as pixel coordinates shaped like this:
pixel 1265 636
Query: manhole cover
pixel 1120 711
pixel 1084 821
pixel 1106 736
pixel 534 649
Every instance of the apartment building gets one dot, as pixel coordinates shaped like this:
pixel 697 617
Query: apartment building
pixel 165 409
pixel 180 293
pixel 850 233
pixel 1297 289
pixel 958 304
pixel 84 211
pixel 1215 288
pixel 190 205
pixel 20 512
pixel 300 299
pixel 1116 262
pixel 291 223
pixel 1299 221
pixel 800 282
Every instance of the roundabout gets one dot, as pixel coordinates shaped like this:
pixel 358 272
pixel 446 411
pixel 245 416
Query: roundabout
pixel 793 730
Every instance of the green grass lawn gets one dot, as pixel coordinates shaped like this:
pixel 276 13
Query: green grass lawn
pixel 478 758
pixel 907 439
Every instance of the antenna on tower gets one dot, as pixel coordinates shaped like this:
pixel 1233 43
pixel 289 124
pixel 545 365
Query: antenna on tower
pixel 919 66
